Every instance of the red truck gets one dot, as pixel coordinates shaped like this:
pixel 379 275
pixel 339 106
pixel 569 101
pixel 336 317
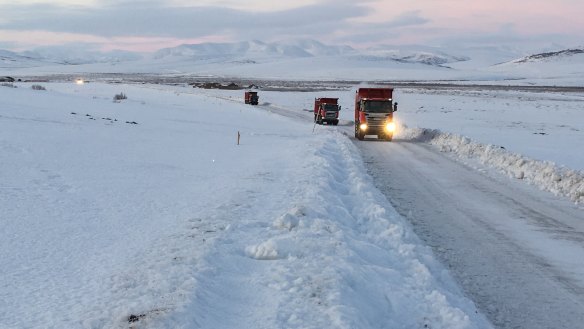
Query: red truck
pixel 251 97
pixel 374 109
pixel 326 110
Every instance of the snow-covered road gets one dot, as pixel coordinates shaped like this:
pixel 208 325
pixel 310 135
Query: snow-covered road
pixel 517 251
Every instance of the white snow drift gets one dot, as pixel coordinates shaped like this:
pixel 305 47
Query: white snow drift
pixel 544 174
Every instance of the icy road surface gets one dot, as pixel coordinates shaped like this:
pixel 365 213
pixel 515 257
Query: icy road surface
pixel 516 251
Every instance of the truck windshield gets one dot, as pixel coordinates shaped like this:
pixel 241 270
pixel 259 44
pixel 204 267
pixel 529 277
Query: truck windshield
pixel 331 107
pixel 377 106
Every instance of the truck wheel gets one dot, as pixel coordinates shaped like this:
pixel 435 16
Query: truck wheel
pixel 386 137
pixel 358 133
pixel 336 122
pixel 319 120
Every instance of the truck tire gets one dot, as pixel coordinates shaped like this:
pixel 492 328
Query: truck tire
pixel 358 133
pixel 319 120
pixel 336 122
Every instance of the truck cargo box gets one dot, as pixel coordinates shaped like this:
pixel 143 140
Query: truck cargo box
pixel 375 93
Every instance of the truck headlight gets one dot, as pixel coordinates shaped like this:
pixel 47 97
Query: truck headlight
pixel 363 126
pixel 390 126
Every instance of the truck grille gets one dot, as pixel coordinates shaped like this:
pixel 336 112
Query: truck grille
pixel 376 121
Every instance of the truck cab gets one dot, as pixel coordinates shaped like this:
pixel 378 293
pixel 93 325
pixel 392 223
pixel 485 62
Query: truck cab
pixel 251 97
pixel 374 109
pixel 326 110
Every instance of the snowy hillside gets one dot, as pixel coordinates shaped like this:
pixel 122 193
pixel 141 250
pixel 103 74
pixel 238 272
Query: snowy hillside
pixel 257 52
pixel 551 56
pixel 12 60
pixel 253 50
pixel 250 49
pixel 412 54
pixel 301 59
pixel 565 67
pixel 313 60
pixel 316 48
pixel 62 56
pixel 79 55
pixel 484 56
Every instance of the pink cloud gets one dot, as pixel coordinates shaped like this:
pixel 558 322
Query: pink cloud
pixel 527 16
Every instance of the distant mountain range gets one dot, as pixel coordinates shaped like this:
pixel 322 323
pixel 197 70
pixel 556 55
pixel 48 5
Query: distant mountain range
pixel 242 52
pixel 549 56
pixel 63 56
pixel 252 51
pixel 308 59
pixel 9 59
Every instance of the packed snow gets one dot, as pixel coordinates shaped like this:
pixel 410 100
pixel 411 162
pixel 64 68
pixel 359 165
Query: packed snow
pixel 146 212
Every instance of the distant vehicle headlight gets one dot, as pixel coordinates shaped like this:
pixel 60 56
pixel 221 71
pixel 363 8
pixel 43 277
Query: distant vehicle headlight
pixel 363 126
pixel 79 81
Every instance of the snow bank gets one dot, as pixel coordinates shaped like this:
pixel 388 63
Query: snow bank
pixel 543 174
pixel 323 248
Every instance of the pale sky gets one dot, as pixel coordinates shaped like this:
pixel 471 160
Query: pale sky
pixel 148 25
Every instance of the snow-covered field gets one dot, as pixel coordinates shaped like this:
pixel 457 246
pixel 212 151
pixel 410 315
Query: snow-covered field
pixel 146 213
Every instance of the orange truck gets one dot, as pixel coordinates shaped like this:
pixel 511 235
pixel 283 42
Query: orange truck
pixel 251 97
pixel 374 109
pixel 326 110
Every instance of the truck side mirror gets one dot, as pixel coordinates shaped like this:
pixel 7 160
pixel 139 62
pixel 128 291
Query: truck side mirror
pixel 395 107
pixel 339 107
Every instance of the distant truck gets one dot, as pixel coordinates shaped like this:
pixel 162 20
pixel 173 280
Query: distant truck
pixel 326 110
pixel 251 97
pixel 374 109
